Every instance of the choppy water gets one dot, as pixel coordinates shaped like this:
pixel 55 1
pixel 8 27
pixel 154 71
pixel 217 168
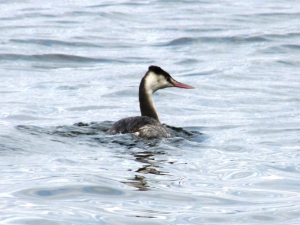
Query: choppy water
pixel 236 161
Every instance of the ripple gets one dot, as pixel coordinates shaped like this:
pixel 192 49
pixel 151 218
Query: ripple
pixel 54 43
pixel 280 49
pixel 61 58
pixel 69 87
pixel 238 175
pixel 182 41
pixel 95 132
pixel 209 39
pixel 24 117
pixel 90 107
pixel 188 61
pixel 66 192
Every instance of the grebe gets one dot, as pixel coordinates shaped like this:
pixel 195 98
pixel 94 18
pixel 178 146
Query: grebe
pixel 148 125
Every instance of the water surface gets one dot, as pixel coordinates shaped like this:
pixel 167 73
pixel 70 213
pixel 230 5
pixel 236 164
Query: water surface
pixel 69 70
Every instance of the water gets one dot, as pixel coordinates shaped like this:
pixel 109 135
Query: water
pixel 236 161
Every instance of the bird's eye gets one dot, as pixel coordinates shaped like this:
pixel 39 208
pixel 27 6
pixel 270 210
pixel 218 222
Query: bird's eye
pixel 169 79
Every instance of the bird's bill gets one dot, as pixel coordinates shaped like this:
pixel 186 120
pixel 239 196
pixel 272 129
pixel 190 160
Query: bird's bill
pixel 180 85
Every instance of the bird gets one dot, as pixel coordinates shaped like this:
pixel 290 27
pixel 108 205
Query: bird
pixel 148 125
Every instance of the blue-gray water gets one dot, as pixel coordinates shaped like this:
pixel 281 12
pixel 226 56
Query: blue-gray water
pixel 237 161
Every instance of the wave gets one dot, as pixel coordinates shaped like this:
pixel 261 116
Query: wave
pixel 233 39
pixel 48 42
pixel 61 58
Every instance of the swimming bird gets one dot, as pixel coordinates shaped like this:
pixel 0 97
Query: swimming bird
pixel 148 124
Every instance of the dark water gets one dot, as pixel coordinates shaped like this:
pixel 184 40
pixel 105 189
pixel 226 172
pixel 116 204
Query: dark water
pixel 69 69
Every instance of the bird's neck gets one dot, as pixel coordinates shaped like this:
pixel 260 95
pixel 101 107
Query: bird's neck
pixel 146 102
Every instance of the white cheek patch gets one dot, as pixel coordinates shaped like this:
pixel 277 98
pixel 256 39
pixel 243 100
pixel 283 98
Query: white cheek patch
pixel 155 82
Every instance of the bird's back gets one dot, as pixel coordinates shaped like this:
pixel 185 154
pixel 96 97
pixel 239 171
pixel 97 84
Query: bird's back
pixel 142 126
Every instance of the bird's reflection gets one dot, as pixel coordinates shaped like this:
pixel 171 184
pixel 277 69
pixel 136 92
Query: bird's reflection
pixel 150 166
